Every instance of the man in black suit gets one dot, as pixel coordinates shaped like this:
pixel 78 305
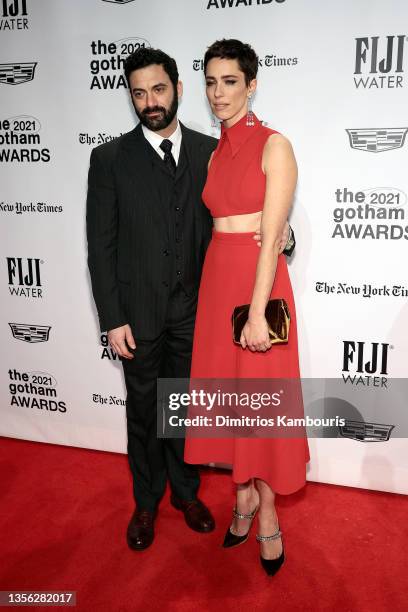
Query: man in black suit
pixel 147 236
pixel 148 232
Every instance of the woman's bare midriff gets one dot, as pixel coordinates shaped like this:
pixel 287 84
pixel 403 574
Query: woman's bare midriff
pixel 239 223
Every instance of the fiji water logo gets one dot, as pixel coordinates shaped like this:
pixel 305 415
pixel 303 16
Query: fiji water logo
pixel 14 15
pixel 380 62
pixel 365 363
pixel 24 276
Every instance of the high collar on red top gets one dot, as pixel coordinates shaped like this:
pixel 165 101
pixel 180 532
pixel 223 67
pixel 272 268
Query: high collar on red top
pixel 239 133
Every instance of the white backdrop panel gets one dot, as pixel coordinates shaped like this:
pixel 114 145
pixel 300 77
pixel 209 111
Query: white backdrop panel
pixel 306 90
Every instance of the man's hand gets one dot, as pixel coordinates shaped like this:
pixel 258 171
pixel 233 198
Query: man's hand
pixel 284 237
pixel 120 338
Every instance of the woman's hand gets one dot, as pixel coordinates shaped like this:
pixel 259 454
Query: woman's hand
pixel 255 334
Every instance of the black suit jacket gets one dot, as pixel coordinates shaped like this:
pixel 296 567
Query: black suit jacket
pixel 128 230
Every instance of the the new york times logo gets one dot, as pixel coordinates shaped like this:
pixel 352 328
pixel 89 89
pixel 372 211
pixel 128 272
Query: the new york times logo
pixel 239 3
pixel 96 139
pixel 20 140
pixel 365 363
pixel 268 61
pixel 108 60
pixel 35 390
pixel 14 15
pixel 24 276
pixel 22 208
pixel 364 290
pixel 382 57
pixel 112 400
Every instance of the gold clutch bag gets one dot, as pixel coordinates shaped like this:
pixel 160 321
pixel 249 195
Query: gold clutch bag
pixel 277 315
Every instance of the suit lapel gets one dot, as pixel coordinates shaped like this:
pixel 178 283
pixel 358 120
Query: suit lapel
pixel 138 163
pixel 194 154
pixel 138 160
pixel 182 161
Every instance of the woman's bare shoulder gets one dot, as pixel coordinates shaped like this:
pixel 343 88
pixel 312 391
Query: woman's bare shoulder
pixel 277 151
pixel 276 140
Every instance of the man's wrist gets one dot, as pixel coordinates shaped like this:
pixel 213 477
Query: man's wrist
pixel 291 243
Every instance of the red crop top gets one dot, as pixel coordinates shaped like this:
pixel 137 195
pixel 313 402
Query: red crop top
pixel 235 183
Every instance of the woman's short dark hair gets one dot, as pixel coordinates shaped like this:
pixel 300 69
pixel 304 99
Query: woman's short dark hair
pixel 234 49
pixel 145 56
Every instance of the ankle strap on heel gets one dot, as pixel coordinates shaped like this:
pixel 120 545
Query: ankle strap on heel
pixel 274 536
pixel 239 515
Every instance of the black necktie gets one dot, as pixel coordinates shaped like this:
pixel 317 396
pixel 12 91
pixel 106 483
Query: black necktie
pixel 169 160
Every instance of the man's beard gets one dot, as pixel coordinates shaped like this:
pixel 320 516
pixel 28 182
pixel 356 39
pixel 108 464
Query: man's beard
pixel 161 121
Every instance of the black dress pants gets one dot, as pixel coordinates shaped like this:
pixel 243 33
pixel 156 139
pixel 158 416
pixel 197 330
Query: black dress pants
pixel 153 460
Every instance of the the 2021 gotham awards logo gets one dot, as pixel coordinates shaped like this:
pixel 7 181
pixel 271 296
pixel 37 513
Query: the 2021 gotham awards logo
pixel 35 390
pixel 270 60
pixel 108 60
pixel 370 214
pixel 376 140
pixel 217 4
pixel 24 276
pixel 107 351
pixel 30 333
pixel 14 15
pixel 20 140
pixel 380 62
pixel 365 364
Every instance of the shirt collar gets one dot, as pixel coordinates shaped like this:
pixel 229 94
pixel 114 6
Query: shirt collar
pixel 239 133
pixel 155 139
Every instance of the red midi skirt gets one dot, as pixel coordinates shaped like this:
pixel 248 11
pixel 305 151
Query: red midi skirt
pixel 227 281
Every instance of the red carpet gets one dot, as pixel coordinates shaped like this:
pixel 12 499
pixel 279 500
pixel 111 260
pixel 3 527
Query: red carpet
pixel 63 523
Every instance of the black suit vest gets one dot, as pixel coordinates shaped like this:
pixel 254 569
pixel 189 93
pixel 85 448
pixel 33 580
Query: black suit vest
pixel 175 194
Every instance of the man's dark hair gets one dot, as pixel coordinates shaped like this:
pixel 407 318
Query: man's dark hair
pixel 234 49
pixel 146 57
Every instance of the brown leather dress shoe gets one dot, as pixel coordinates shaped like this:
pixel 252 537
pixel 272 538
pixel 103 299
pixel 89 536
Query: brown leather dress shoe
pixel 198 516
pixel 140 531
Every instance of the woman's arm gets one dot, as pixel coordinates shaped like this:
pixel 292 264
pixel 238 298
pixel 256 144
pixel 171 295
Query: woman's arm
pixel 280 167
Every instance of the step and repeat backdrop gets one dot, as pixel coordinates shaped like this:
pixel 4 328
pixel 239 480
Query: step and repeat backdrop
pixel 333 79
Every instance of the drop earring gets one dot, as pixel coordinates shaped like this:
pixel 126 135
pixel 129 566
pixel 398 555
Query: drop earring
pixel 213 121
pixel 250 115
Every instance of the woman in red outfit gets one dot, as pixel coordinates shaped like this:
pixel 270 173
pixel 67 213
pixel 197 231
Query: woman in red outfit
pixel 251 181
